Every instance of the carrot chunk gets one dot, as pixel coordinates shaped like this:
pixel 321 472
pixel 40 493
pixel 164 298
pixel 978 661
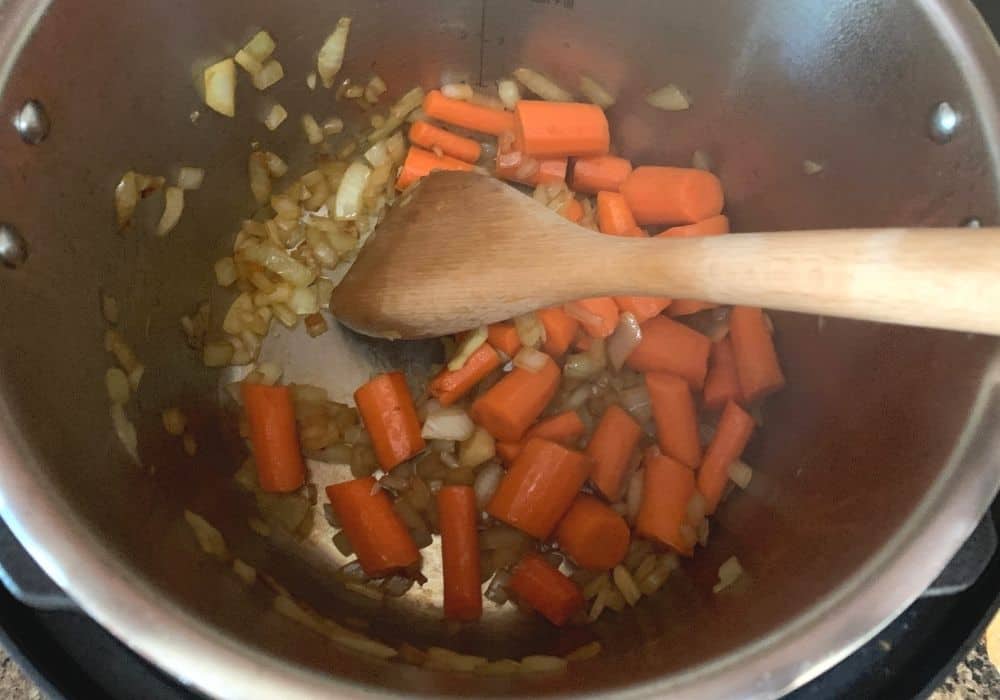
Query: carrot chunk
pixel 675 416
pixel 593 534
pixel 565 428
pixel 667 487
pixel 504 337
pixel 600 173
pixel 420 163
pixel 598 315
pixel 643 308
pixel 546 590
pixel 431 137
pixel 668 346
pixel 451 385
pixel 610 449
pixel 467 115
pixel 512 164
pixel 510 406
pixel 756 360
pixel 661 195
pixel 614 216
pixel 712 226
pixel 560 329
pixel 557 129
pixel 731 436
pixel 722 384
pixel 458 515
pixel 274 437
pixel 390 417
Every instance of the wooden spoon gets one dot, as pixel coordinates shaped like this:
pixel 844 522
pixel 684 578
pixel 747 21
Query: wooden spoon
pixel 464 249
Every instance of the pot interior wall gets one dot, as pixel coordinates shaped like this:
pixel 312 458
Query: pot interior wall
pixel 863 430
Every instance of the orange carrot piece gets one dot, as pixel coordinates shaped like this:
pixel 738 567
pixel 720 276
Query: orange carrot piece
pixel 467 115
pixel 512 164
pixel 712 226
pixel 582 342
pixel 668 346
pixel 731 436
pixel 431 137
pixel 686 307
pixel 565 428
pixel 610 449
pixel 546 590
pixel 667 487
pixel 560 329
pixel 274 437
pixel 508 451
pixel 390 417
pixel 593 534
pixel 660 195
pixel 572 210
pixel 376 533
pixel 756 360
pixel 614 216
pixel 458 515
pixel 600 173
pixel 643 308
pixel 504 337
pixel 723 381
pixel 539 487
pixel 675 416
pixel 451 385
pixel 511 405
pixel 420 163
pixel 597 315
pixel 557 129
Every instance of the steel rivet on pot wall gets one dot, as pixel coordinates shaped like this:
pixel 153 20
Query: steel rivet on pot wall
pixel 32 123
pixel 944 122
pixel 13 247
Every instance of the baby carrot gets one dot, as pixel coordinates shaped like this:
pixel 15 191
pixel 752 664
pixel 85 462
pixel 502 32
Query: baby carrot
pixel 557 129
pixel 731 436
pixel 594 535
pixel 668 346
pixel 723 382
pixel 560 329
pixel 667 487
pixel 614 217
pixel 675 417
pixel 756 360
pixel 660 195
pixel 465 114
pixel 458 515
pixel 643 308
pixel 420 163
pixel 565 428
pixel 508 451
pixel 539 487
pixel 512 404
pixel 572 210
pixel 451 385
pixel 376 533
pixel 686 307
pixel 545 589
pixel 504 337
pixel 390 417
pixel 610 449
pixel 712 226
pixel 431 137
pixel 512 164
pixel 274 437
pixel 598 315
pixel 600 173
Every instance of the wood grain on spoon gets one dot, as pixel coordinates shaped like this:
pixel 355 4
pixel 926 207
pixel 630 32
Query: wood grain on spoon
pixel 464 249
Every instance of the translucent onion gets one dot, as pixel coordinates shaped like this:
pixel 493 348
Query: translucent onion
pixel 478 448
pixel 260 177
pixel 811 167
pixel 220 87
pixel 397 113
pixel 350 194
pixel 116 382
pixel 595 92
pixel 530 359
pixel 509 93
pixel 729 572
pixel 624 340
pixel 496 592
pixel 450 423
pixel 261 46
pixel 248 62
pixel 741 473
pixel 487 481
pixel 457 91
pixel 331 54
pixel 633 496
pixel 209 538
pixel 470 343
pixel 635 400
pixel 542 86
pixel 669 98
pixel 275 117
pixel 172 208
pixel 530 330
pixel 189 178
pixel 314 134
pixel 270 73
pixel 280 262
pixel 125 431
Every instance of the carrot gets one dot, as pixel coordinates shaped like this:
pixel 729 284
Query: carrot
pixel 659 195
pixel 431 137
pixel 274 437
pixel 598 315
pixel 560 329
pixel 668 346
pixel 565 428
pixel 731 436
pixel 610 449
pixel 572 210
pixel 546 590
pixel 390 417
pixel 508 451
pixel 512 404
pixel 512 164
pixel 600 173
pixel 756 360
pixel 451 385
pixel 376 533
pixel 614 217
pixel 504 337
pixel 420 163
pixel 686 307
pixel 675 417
pixel 458 515
pixel 712 226
pixel 539 487
pixel 723 382
pixel 643 308
pixel 667 487
pixel 467 115
pixel 594 535
pixel 557 129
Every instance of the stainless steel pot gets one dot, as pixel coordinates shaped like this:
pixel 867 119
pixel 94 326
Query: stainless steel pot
pixel 877 460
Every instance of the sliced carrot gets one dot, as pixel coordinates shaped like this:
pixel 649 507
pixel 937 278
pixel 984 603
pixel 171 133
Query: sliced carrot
pixel 731 436
pixel 376 533
pixel 560 329
pixel 572 210
pixel 667 487
pixel 467 115
pixel 274 437
pixel 660 195
pixel 597 315
pixel 565 428
pixel 610 449
pixel 451 385
pixel 712 226
pixel 675 416
pixel 420 163
pixel 557 129
pixel 723 381
pixel 643 308
pixel 541 586
pixel 508 451
pixel 539 487
pixel 512 164
pixel 391 419
pixel 504 337
pixel 668 346
pixel 458 516
pixel 686 307
pixel 511 405
pixel 756 360
pixel 600 173
pixel 614 216
pixel 593 534
pixel 431 137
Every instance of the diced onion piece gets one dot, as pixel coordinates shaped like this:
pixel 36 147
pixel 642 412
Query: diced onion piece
pixel 174 421
pixel 350 194
pixel 450 423
pixel 470 343
pixel 314 134
pixel 261 46
pixel 624 340
pixel 811 167
pixel 220 87
pixel 209 538
pixel 248 62
pixel 189 178
pixel 584 653
pixel 260 179
pixel 457 91
pixel 412 100
pixel 378 154
pixel 225 271
pixel 244 572
pixel 700 160
pixel 530 330
pixel 633 495
pixel 268 75
pixel 172 208
pixel 626 584
pixel 315 323
pixel 635 400
pixel 304 301
pixel 275 116
pixel 497 590
pixel 117 385
pixel 333 126
pixel 125 431
pixel 669 98
pixel 741 473
pixel 311 81
pixel 587 365
pixel 477 449
pixel 509 93
pixel 395 146
pixel 530 359
pixel 331 54
pixel 126 198
pixel 109 308
pixel 217 354
pixel 729 572
pixel 487 482
pixel 375 89
pixel 276 167
pixel 281 263
pixel 542 86
pixel 595 92
pixel 702 529
pixel 542 664
pixel 696 508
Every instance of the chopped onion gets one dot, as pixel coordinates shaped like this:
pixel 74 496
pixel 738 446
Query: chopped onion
pixel 729 572
pixel 331 54
pixel 741 473
pixel 375 88
pixel 477 449
pixel 260 178
pixel 700 160
pixel 244 572
pixel 542 664
pixel 276 167
pixel 696 508
pixel 457 91
pixel 633 497
pixel 530 359
pixel 350 194
pixel 702 530
pixel 378 154
pixel 332 126
pixel 261 46
pixel 172 208
pixel 587 365
pixel 209 538
pixel 496 592
pixel 304 301
pixel 311 80
pixel 117 385
pixel 635 400
pixel 450 423
pixel 129 189
pixel 268 75
pixel 174 421
pixel 189 178
pixel 530 330
pixel 487 481
pixel 624 340
pixel 470 343
pixel 595 92
pixel 248 62
pixel 541 85
pixel 669 98
pixel 314 134
pixel 217 354
pixel 412 100
pixel 225 271
pixel 220 87
pixel 125 431
pixel 811 167
pixel 279 262
pixel 509 93
pixel 315 323
pixel 626 585
pixel 275 117
pixel 396 147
